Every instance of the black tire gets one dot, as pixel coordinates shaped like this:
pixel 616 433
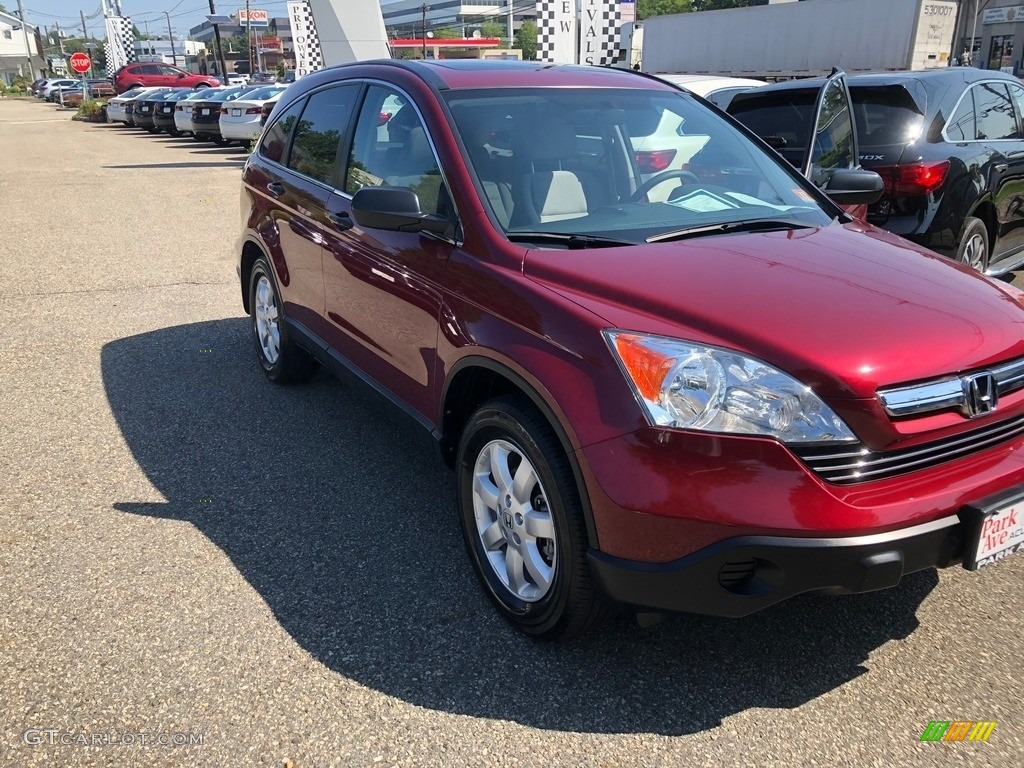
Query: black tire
pixel 975 236
pixel 571 605
pixel 199 136
pixel 220 141
pixel 293 365
pixel 173 132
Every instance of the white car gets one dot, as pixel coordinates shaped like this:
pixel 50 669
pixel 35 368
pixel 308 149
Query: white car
pixel 183 109
pixel 52 85
pixel 238 79
pixel 115 107
pixel 718 90
pixel 662 142
pixel 241 122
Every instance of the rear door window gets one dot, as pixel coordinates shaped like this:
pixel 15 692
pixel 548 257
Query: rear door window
pixel 783 117
pixel 885 115
pixel 318 134
pixel 274 144
pixel 994 112
pixel 960 126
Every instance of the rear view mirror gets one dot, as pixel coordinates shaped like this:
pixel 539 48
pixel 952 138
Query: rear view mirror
pixel 396 209
pixel 775 142
pixel 854 186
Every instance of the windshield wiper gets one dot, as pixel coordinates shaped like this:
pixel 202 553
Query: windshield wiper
pixel 753 225
pixel 570 241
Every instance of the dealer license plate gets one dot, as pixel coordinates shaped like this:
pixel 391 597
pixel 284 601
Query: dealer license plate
pixel 204 111
pixel 236 113
pixel 166 110
pixel 1000 534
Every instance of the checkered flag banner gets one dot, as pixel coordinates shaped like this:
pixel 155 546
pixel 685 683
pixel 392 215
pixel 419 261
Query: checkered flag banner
pixel 120 43
pixel 556 31
pixel 308 55
pixel 599 32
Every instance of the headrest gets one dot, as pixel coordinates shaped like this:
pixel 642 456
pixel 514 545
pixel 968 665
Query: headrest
pixel 548 140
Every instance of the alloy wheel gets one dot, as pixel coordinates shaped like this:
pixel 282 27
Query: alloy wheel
pixel 268 330
pixel 513 520
pixel 975 252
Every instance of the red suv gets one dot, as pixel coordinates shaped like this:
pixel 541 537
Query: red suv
pixel 159 75
pixel 707 400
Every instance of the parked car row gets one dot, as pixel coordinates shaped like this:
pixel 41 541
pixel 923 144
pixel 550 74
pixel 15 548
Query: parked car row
pixel 219 114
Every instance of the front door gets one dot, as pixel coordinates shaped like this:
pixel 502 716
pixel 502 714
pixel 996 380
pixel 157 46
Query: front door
pixel 383 289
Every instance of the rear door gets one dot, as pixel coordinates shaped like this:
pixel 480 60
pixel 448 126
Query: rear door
pixel 998 107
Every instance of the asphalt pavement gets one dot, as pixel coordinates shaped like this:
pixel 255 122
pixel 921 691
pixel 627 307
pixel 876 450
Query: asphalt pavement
pixel 200 568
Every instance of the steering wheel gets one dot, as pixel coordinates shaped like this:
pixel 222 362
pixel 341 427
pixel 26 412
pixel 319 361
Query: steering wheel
pixel 651 183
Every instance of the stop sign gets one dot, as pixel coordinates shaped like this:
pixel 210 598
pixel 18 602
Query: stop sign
pixel 80 62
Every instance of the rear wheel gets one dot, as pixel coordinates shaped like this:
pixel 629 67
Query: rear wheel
pixel 522 521
pixel 173 132
pixel 283 361
pixel 974 246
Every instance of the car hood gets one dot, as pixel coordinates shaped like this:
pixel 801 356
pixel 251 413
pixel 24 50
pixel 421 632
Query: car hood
pixel 845 308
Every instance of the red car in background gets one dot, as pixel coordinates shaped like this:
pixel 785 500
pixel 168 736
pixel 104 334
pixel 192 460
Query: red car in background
pixel 709 400
pixel 151 74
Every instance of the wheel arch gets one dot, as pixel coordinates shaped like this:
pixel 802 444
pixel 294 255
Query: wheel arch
pixel 985 210
pixel 474 380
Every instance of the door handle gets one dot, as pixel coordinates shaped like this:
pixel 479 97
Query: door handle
pixel 275 188
pixel 1000 167
pixel 341 220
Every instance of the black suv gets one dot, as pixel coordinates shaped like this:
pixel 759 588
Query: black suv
pixel 949 145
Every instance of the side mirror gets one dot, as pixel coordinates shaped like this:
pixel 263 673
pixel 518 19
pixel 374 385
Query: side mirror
pixel 854 186
pixel 396 209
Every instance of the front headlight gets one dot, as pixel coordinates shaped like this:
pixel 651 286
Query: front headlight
pixel 694 386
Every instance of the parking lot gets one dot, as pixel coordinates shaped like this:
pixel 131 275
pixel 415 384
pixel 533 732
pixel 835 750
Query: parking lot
pixel 275 576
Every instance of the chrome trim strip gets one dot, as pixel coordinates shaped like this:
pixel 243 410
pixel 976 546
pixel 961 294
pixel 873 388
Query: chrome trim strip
pixel 877 465
pixel 918 398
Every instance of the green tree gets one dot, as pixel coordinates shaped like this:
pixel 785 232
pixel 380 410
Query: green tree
pixel 647 8
pixel 495 29
pixel 526 40
pixel 446 33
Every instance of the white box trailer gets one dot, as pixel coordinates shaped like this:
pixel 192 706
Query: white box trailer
pixel 802 39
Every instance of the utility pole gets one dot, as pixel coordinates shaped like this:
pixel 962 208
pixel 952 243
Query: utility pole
pixel 424 8
pixel 85 42
pixel 60 39
pixel 220 48
pixel 974 31
pixel 28 46
pixel 510 43
pixel 170 34
pixel 248 36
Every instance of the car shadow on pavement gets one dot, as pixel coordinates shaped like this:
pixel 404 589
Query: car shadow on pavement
pixel 345 525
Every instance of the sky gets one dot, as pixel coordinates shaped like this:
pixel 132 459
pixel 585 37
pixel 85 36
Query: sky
pixel 184 13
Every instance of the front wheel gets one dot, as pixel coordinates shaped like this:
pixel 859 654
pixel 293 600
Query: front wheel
pixel 522 521
pixel 974 246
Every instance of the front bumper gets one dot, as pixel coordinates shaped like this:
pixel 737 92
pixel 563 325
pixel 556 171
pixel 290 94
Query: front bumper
pixel 739 576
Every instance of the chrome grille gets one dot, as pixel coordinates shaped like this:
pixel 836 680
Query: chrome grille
pixel 948 392
pixel 854 464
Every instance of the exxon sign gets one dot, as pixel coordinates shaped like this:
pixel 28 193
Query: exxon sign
pixel 255 18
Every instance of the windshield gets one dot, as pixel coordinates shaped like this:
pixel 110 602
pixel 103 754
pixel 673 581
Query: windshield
pixel 228 94
pixel 261 94
pixel 623 164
